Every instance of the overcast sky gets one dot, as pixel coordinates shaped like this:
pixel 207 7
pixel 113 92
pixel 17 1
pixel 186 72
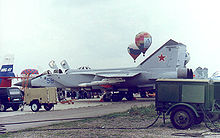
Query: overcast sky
pixel 96 33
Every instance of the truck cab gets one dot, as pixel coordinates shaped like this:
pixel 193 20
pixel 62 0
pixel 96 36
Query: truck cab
pixel 10 97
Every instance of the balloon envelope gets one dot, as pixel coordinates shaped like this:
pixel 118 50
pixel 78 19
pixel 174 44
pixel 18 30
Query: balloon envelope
pixel 29 72
pixel 143 41
pixel 134 51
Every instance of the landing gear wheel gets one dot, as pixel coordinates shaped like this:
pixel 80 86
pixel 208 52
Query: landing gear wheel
pixel 35 106
pixel 116 97
pixel 2 108
pixel 107 98
pixel 182 117
pixel 143 94
pixel 15 107
pixel 48 107
pixel 129 96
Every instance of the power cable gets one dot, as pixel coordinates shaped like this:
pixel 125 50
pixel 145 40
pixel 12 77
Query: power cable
pixel 75 127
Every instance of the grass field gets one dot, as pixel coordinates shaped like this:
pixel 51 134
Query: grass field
pixel 131 123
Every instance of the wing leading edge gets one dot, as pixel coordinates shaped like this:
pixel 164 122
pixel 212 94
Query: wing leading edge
pixel 118 74
pixel 105 81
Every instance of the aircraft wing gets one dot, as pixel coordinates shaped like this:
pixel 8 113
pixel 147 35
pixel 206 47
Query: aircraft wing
pixel 117 74
pixel 110 78
pixel 105 81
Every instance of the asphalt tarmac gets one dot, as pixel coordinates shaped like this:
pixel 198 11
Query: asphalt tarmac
pixel 19 120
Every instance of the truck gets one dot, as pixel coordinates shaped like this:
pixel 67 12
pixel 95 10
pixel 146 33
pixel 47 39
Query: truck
pixel 38 97
pixel 10 97
pixel 188 101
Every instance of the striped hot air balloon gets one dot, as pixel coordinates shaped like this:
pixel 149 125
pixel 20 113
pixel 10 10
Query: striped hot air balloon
pixel 143 41
pixel 134 51
pixel 29 72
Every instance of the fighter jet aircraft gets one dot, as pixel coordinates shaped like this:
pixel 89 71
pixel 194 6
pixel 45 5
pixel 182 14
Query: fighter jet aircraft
pixel 169 61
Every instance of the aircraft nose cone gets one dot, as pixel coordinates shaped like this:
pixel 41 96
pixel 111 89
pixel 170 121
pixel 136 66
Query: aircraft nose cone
pixel 18 84
pixel 24 83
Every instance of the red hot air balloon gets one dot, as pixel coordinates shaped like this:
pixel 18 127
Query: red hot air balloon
pixel 143 41
pixel 134 51
pixel 29 72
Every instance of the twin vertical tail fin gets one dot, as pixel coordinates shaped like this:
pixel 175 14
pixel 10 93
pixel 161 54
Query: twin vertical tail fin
pixel 6 73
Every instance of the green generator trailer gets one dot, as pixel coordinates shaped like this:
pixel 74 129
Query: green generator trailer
pixel 188 101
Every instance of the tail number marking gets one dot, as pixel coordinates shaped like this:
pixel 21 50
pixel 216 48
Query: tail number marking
pixel 50 80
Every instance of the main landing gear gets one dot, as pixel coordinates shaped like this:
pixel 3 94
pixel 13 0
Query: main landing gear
pixel 117 96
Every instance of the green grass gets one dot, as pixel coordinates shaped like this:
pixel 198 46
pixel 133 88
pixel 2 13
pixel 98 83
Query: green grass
pixel 134 114
pixel 4 135
pixel 148 111
pixel 143 111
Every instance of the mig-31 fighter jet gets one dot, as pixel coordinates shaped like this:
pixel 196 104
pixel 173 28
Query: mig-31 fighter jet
pixel 169 61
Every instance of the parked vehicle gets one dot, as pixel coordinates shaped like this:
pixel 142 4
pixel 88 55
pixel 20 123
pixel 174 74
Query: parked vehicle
pixel 36 97
pixel 10 97
pixel 188 101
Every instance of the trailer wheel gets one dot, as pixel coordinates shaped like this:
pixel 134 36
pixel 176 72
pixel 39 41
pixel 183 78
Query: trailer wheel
pixel 2 108
pixel 35 106
pixel 48 107
pixel 182 117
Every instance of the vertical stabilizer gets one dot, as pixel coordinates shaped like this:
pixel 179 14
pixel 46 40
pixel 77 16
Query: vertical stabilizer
pixel 5 73
pixel 171 55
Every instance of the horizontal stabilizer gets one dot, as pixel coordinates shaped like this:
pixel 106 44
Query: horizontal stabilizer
pixel 6 73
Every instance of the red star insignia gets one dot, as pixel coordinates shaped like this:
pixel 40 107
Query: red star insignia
pixel 161 57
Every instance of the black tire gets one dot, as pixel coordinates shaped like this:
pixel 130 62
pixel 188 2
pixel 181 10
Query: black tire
pixel 121 96
pixel 15 107
pixel 129 96
pixel 35 106
pixel 106 98
pixel 199 119
pixel 116 97
pixel 48 107
pixel 143 94
pixel 3 108
pixel 182 117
